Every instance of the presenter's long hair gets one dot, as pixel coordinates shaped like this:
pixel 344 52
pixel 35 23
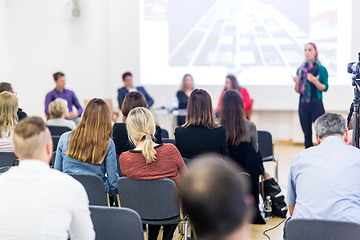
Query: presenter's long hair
pixel 200 111
pixel 90 140
pixel 8 112
pixel 234 83
pixel 140 125
pixel 232 117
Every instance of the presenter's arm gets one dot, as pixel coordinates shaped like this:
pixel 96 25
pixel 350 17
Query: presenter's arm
pixel 296 80
pixel 321 80
pixel 48 99
pixel 77 105
pixel 291 209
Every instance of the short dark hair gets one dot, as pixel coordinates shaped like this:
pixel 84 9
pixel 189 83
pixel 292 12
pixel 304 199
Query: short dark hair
pixel 57 75
pixel 132 100
pixel 126 74
pixel 5 87
pixel 212 193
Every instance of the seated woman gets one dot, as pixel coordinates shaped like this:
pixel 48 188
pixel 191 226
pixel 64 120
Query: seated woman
pixel 120 135
pixel 58 110
pixel 183 95
pixel 8 120
pixel 232 83
pixel 200 133
pixel 149 160
pixel 242 139
pixel 88 149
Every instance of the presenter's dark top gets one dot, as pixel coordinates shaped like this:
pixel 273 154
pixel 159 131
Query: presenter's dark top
pixel 194 140
pixel 123 91
pixel 183 101
pixel 121 140
pixel 68 95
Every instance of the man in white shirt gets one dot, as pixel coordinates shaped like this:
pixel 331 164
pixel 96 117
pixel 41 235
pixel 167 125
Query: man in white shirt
pixel 37 202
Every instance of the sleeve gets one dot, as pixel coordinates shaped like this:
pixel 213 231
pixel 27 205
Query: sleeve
pixel 149 99
pixel 246 99
pixel 121 96
pixel 223 144
pixel 59 153
pixel 178 159
pixel 291 188
pixel 111 168
pixel 81 226
pixel 120 138
pixel 48 99
pixel 178 140
pixel 323 77
pixel 77 104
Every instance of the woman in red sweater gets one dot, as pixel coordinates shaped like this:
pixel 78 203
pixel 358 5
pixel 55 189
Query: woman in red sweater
pixel 232 83
pixel 149 160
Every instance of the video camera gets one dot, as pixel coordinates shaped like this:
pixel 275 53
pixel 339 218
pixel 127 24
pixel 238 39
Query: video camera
pixel 354 68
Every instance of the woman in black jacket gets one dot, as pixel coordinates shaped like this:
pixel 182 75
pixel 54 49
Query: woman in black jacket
pixel 183 95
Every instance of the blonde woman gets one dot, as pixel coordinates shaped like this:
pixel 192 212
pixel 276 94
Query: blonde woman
pixel 149 160
pixel 88 149
pixel 8 120
pixel 58 110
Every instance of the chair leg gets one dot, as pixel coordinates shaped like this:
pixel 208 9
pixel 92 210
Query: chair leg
pixel 277 170
pixel 108 199
pixel 186 230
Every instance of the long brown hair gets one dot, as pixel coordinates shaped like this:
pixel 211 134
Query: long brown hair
pixel 234 83
pixel 232 116
pixel 200 111
pixel 90 139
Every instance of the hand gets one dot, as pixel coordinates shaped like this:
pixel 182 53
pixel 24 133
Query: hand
pixel 72 115
pixel 296 80
pixel 312 79
pixel 266 175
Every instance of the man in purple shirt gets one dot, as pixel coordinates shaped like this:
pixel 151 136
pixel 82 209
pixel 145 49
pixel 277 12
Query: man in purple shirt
pixel 68 95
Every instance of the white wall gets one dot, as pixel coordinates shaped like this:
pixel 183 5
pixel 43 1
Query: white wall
pixel 4 56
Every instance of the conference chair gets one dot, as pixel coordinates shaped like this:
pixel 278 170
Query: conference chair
pixel 4 169
pixel 118 166
pixel 164 133
pixel 266 149
pixel 300 229
pixel 55 140
pixel 156 201
pixel 52 160
pixel 94 187
pixel 58 130
pixel 168 140
pixel 116 223
pixel 8 159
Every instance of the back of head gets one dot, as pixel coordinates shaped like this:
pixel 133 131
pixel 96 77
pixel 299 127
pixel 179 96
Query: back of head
pixel 330 124
pixel 140 126
pixel 200 111
pixel 132 100
pixel 90 140
pixel 8 110
pixel 5 87
pixel 57 108
pixel 30 138
pixel 232 116
pixel 213 194
pixel 57 75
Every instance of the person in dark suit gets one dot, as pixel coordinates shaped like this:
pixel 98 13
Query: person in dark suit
pixel 129 87
pixel 183 94
pixel 7 87
pixel 120 135
pixel 200 134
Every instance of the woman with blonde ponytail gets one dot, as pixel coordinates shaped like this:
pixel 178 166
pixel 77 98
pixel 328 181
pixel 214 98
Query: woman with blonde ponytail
pixel 149 160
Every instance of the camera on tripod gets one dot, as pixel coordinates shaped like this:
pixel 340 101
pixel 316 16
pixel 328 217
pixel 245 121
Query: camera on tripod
pixel 354 68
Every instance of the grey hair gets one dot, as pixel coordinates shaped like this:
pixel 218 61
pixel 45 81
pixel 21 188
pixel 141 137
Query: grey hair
pixel 330 124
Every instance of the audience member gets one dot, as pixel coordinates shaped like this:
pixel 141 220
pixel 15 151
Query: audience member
pixel 232 83
pixel 61 92
pixel 8 120
pixel 129 87
pixel 120 135
pixel 88 149
pixel 58 110
pixel 7 87
pixel 54 205
pixel 324 181
pixel 214 195
pixel 200 133
pixel 183 95
pixel 149 160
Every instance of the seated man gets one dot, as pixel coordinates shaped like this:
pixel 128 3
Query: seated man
pixel 38 202
pixel 324 181
pixel 7 87
pixel 213 194
pixel 129 87
pixel 61 92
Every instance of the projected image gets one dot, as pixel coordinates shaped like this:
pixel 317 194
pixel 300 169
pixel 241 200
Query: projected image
pixel 248 33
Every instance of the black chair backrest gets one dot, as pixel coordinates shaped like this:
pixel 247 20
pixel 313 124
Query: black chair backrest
pixel 265 144
pixel 168 140
pixel 58 130
pixel 152 199
pixel 52 160
pixel 4 169
pixel 8 159
pixel 55 140
pixel 164 133
pixel 112 223
pixel 94 187
pixel 320 229
pixel 118 166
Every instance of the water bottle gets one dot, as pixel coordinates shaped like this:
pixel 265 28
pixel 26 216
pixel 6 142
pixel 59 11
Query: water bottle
pixel 268 208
